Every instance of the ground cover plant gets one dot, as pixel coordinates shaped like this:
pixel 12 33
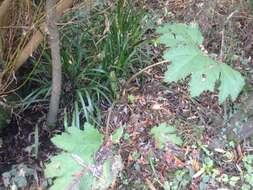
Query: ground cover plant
pixel 155 95
pixel 96 61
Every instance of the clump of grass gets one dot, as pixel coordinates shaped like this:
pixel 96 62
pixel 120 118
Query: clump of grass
pixel 98 50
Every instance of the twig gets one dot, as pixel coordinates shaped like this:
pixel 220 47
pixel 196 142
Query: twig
pixel 81 162
pixel 221 56
pixel 150 185
pixel 143 70
pixel 222 46
pixel 108 122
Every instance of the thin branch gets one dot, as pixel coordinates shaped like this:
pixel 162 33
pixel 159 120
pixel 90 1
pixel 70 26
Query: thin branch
pixel 221 56
pixel 108 121
pixel 145 69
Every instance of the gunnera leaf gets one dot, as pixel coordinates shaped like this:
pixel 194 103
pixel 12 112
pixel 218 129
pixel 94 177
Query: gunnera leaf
pixel 82 143
pixel 68 167
pixel 173 35
pixel 64 168
pixel 231 83
pixel 187 59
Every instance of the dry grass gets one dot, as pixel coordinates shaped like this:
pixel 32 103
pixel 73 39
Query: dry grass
pixel 19 26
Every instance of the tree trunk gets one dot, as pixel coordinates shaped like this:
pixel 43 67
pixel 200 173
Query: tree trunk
pixel 56 61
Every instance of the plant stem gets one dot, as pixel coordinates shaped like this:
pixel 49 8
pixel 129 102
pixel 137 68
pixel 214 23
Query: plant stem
pixel 146 68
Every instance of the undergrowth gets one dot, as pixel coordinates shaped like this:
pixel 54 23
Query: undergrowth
pixel 98 50
pixel 77 166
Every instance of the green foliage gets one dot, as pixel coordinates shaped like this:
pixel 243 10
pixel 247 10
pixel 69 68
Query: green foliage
pixel 117 135
pixel 131 98
pixel 97 53
pixel 187 58
pixel 82 143
pixel 165 133
pixel 79 147
pixel 75 167
pixel 248 176
pixel 174 35
pixel 64 168
pixel 180 181
pixel 251 2
pixel 111 168
pixel 102 53
pixel 232 181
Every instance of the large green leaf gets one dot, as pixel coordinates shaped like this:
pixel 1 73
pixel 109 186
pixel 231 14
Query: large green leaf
pixel 75 168
pixel 188 59
pixel 64 168
pixel 83 143
pixel 178 34
pixel 231 83
pixel 185 61
pixel 165 133
pixel 79 147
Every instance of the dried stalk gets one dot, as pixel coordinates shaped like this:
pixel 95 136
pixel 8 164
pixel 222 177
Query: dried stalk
pixel 38 37
pixel 4 8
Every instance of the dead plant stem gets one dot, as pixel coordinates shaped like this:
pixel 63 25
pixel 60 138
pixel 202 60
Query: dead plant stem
pixel 145 69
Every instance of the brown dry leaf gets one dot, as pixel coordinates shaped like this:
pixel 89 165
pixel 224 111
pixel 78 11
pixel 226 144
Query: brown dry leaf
pixel 129 159
pixel 173 161
pixel 178 162
pixel 150 185
pixel 107 25
pixel 142 161
pixel 195 165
